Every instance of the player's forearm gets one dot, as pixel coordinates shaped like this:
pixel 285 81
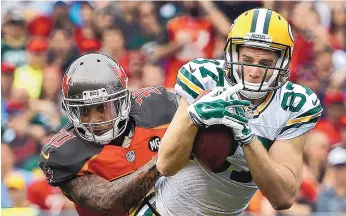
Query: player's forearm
pixel 176 145
pixel 133 189
pixel 275 181
pixel 218 19
pixel 116 197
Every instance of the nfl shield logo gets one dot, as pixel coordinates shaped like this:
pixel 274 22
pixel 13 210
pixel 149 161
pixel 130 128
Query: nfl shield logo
pixel 130 156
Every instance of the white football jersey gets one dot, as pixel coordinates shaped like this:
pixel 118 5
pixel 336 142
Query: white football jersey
pixel 285 114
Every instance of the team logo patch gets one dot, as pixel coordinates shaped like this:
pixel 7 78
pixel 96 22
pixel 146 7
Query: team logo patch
pixel 154 143
pixel 131 156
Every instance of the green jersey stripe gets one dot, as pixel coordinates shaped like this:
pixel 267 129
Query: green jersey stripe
pixel 266 106
pixel 312 111
pixel 267 143
pixel 189 91
pixel 191 77
pixel 297 125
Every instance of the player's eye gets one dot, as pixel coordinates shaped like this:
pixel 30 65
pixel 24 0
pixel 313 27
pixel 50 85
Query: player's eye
pixel 266 63
pixel 102 108
pixel 248 61
pixel 84 112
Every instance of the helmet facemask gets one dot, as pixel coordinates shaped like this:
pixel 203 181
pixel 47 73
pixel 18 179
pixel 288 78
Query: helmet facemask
pixel 280 72
pixel 118 107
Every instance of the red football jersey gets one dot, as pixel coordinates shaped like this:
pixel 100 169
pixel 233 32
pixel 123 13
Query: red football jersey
pixel 201 33
pixel 66 156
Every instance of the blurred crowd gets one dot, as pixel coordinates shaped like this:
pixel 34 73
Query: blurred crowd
pixel 151 40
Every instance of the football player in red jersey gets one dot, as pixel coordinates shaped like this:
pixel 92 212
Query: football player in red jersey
pixel 104 161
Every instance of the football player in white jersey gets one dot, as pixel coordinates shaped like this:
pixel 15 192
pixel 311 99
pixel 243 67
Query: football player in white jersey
pixel 268 115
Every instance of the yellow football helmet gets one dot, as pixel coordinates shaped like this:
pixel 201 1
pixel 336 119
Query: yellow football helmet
pixel 265 29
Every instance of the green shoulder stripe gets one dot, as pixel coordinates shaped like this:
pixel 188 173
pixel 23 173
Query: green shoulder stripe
pixel 312 111
pixel 191 77
pixel 299 124
pixel 192 93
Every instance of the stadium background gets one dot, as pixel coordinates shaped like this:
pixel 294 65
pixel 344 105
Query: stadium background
pixel 152 40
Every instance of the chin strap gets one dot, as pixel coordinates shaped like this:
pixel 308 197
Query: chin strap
pixel 252 95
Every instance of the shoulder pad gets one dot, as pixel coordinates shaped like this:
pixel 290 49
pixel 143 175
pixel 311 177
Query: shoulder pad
pixel 153 106
pixel 198 75
pixel 64 155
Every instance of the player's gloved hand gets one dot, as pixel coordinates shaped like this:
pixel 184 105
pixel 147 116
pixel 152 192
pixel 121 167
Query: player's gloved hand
pixel 243 135
pixel 218 107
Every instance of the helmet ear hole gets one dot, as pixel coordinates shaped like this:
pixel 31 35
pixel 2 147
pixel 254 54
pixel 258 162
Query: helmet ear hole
pixel 98 60
pixel 277 53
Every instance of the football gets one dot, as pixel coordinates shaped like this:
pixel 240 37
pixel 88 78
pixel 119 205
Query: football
pixel 212 146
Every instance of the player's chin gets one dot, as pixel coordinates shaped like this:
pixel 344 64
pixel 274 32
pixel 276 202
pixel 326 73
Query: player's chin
pixel 101 130
pixel 98 133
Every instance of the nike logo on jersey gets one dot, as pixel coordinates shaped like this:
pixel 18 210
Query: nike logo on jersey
pixel 314 102
pixel 192 70
pixel 46 156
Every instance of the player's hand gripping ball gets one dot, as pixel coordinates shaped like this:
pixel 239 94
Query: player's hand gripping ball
pixel 217 114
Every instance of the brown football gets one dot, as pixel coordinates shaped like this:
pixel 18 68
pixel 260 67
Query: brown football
pixel 213 145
